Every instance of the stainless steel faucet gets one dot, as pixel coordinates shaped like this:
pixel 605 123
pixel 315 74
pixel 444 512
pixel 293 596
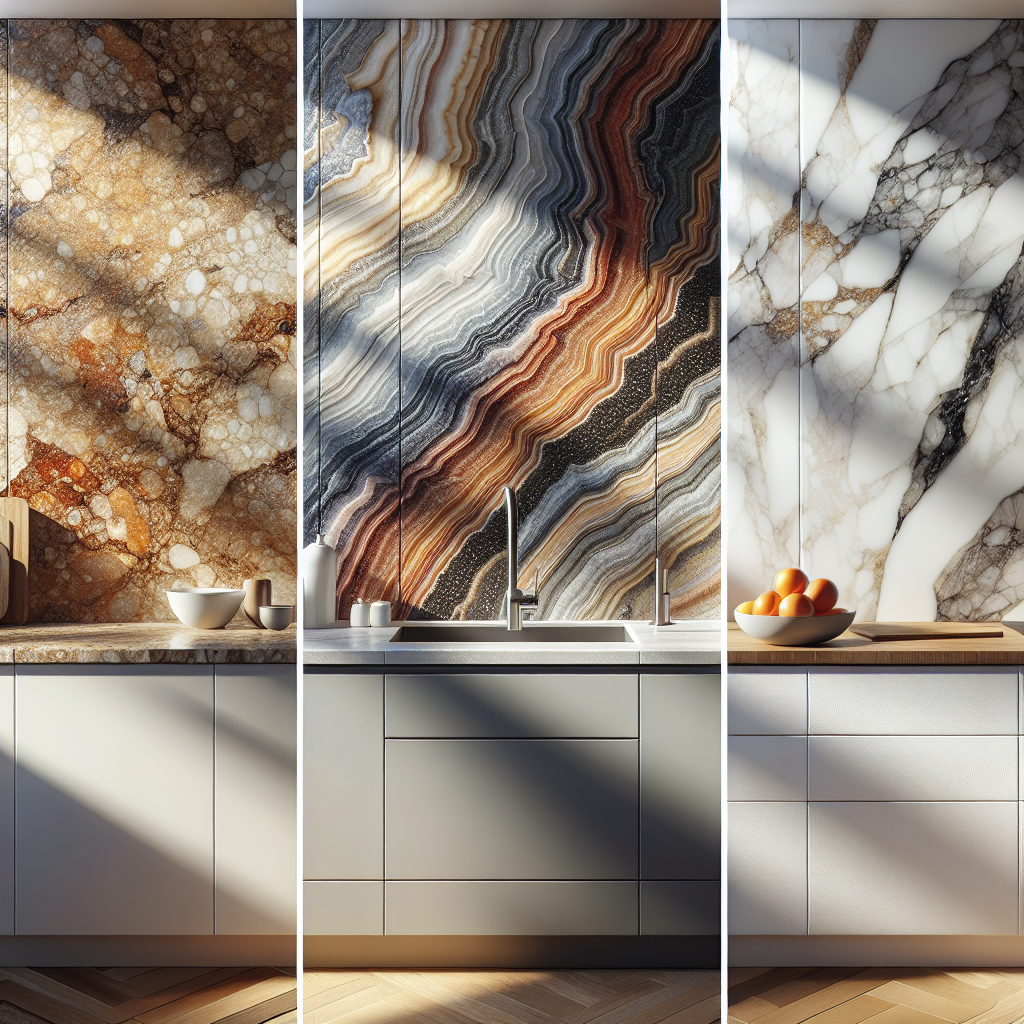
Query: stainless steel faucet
pixel 515 599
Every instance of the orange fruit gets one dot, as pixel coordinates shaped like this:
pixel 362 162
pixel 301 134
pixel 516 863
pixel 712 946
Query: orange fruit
pixel 796 605
pixel 767 603
pixel 824 593
pixel 747 608
pixel 789 581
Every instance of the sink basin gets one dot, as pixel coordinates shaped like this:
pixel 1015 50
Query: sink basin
pixel 491 633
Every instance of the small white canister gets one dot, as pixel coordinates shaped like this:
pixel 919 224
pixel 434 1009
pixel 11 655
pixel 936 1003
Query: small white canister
pixel 380 613
pixel 359 616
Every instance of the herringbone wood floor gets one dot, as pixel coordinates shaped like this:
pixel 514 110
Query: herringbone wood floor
pixel 147 995
pixel 890 995
pixel 512 997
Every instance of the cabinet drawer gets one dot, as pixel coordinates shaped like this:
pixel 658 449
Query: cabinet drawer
pixel 491 704
pixel 913 767
pixel 913 868
pixel 343 908
pixel 512 908
pixel 516 809
pixel 680 908
pixel 767 869
pixel 914 702
pixel 767 767
pixel 768 702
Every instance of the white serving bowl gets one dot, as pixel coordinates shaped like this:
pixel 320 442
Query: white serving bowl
pixel 795 631
pixel 205 607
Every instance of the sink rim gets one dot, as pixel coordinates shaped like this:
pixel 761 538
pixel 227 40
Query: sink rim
pixel 513 636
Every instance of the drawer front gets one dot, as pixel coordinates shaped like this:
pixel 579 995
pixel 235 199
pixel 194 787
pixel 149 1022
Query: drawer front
pixel 768 702
pixel 680 908
pixel 913 702
pixel 515 809
pixel 913 868
pixel 343 908
pixel 913 767
pixel 767 767
pixel 767 869
pixel 492 704
pixel 512 908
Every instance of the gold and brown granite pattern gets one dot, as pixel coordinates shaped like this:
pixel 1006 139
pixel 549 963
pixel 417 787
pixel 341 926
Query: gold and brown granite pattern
pixel 146 643
pixel 152 302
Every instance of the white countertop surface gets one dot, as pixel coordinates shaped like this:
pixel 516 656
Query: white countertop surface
pixel 682 643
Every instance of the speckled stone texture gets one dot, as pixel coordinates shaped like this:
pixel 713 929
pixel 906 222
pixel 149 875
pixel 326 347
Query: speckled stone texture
pixel 152 290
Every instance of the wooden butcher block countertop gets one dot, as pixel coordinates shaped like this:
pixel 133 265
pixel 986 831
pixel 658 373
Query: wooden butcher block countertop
pixel 850 649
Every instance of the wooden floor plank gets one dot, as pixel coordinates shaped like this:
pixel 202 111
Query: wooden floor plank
pixel 218 1001
pixel 822 999
pixel 704 1012
pixel 260 1013
pixel 853 1011
pixel 765 983
pixel 931 1002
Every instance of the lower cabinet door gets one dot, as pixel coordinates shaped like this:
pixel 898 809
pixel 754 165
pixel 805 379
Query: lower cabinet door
pixel 114 800
pixel 768 868
pixel 913 868
pixel 255 788
pixel 680 908
pixel 511 908
pixel 343 908
pixel 511 809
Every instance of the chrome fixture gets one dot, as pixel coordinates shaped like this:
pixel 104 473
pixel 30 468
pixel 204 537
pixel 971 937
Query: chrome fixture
pixel 662 597
pixel 516 602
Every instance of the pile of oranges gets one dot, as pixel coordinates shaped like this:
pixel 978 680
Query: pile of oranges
pixel 793 595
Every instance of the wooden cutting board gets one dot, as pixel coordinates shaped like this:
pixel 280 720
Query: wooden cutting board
pixel 938 631
pixel 15 512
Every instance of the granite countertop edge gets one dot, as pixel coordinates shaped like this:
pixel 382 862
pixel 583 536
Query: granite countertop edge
pixel 144 643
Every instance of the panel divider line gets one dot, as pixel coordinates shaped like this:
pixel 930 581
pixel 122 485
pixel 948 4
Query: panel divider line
pixel 401 255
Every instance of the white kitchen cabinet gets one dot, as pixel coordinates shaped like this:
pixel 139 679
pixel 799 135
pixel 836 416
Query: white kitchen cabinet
pixel 114 800
pixel 680 776
pixel 255 798
pixel 768 768
pixel 767 868
pixel 904 768
pixel 913 868
pixel 767 702
pixel 680 908
pixel 343 782
pixel 912 702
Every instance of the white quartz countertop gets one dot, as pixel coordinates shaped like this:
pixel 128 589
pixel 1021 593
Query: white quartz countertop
pixel 682 643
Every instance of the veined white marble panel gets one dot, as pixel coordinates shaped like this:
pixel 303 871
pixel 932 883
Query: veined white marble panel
pixel 912 311
pixel 764 427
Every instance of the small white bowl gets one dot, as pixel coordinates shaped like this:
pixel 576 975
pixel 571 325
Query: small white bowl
pixel 795 631
pixel 205 607
pixel 277 616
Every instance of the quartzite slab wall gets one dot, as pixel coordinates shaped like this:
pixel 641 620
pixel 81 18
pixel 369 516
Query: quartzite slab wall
pixel 151 289
pixel 515 230
pixel 876 312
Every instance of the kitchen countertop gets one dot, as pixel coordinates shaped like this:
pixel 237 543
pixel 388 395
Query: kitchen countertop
pixel 168 643
pixel 850 649
pixel 682 643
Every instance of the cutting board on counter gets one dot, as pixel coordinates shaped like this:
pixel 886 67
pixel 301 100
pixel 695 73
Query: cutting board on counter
pixel 916 631
pixel 14 538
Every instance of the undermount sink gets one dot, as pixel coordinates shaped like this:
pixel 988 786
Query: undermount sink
pixel 496 633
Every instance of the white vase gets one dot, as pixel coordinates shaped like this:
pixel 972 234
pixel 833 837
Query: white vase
pixel 319 584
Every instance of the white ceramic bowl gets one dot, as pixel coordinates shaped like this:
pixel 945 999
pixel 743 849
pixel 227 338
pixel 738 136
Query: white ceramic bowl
pixel 796 631
pixel 277 616
pixel 205 607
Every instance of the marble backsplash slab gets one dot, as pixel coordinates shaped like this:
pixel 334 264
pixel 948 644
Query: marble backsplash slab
pixel 152 266
pixel 502 257
pixel 911 456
